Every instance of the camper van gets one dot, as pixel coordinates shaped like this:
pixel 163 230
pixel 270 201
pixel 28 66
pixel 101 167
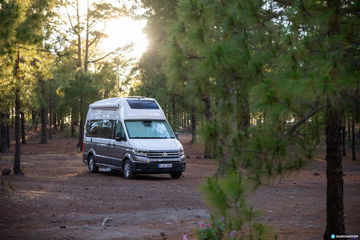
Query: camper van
pixel 131 134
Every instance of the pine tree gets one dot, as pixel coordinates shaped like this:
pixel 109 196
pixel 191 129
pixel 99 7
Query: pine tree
pixel 308 82
pixel 24 28
pixel 286 65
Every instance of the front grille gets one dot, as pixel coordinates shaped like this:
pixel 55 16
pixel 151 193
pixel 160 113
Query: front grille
pixel 154 168
pixel 163 154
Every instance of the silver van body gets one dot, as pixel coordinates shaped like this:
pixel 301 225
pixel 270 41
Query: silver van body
pixel 131 134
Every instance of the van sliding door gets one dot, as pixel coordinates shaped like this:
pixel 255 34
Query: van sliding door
pixel 103 141
pixel 118 148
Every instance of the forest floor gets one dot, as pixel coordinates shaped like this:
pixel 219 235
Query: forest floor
pixel 58 199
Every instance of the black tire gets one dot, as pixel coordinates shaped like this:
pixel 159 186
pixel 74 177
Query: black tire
pixel 128 171
pixel 91 164
pixel 175 175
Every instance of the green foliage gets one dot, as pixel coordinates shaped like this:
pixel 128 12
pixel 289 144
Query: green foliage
pixel 22 28
pixel 269 69
pixel 12 13
pixel 214 231
pixel 232 217
pixel 21 22
pixel 106 80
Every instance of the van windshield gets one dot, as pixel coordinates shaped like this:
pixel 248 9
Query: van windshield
pixel 148 129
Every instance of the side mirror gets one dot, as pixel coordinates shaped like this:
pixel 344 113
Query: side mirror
pixel 120 137
pixel 176 135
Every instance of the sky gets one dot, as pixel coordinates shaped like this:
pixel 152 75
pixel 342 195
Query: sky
pixel 120 32
pixel 123 31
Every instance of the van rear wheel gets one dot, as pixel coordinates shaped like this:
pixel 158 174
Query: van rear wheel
pixel 175 175
pixel 91 165
pixel 127 170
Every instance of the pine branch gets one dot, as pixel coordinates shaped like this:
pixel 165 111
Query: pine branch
pixel 302 120
pixel 103 57
pixel 93 41
pixel 116 51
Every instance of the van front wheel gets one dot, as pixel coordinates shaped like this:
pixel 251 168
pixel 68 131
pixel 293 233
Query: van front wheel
pixel 127 170
pixel 175 175
pixel 91 165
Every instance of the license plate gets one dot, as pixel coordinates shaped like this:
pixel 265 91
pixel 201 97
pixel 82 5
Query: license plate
pixel 165 165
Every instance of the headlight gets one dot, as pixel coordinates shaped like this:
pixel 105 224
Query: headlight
pixel 181 152
pixel 139 152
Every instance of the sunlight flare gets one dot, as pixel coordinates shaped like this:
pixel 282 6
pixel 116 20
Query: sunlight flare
pixel 124 31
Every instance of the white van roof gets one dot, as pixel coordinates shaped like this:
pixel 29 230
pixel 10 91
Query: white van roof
pixel 122 105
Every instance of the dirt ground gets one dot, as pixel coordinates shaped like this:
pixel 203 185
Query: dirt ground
pixel 58 199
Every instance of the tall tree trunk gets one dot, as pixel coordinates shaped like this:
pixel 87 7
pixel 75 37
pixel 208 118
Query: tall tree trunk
pixel 62 124
pixel 353 142
pixel 344 136
pixel 86 65
pixel 86 60
pixel 17 168
pixel 50 110
pixel 8 129
pixel 33 119
pixel 23 135
pixel 43 112
pixel 81 125
pixel 43 117
pixel 3 133
pixel 73 121
pixel 58 120
pixel 208 150
pixel 173 105
pixel 78 33
pixel 245 114
pixel 54 123
pixel 37 118
pixel 335 223
pixel 182 120
pixel 334 171
pixel 193 125
pixel 49 121
pixel 12 114
pixel 349 129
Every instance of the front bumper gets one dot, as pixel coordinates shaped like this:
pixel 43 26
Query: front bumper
pixel 153 167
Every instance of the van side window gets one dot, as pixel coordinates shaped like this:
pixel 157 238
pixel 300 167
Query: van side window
pixel 105 128
pixel 119 129
pixel 100 128
pixel 91 128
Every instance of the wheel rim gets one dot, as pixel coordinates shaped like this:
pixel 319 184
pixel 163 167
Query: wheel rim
pixel 127 169
pixel 91 164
